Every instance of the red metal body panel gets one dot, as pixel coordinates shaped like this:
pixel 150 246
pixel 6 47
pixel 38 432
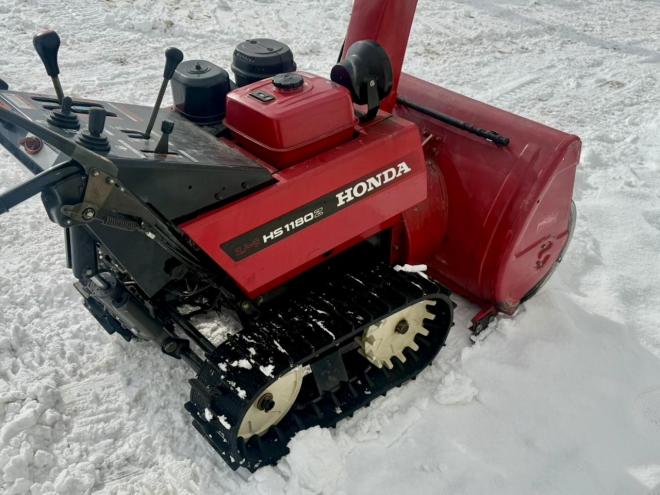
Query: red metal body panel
pixel 296 124
pixel 387 22
pixel 508 206
pixel 489 221
pixel 384 143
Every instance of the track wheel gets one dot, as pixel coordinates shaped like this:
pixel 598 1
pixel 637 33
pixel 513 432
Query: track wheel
pixel 391 336
pixel 272 404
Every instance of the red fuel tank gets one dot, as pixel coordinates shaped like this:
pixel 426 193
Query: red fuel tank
pixel 291 117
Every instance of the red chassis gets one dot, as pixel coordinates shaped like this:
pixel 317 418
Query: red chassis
pixel 489 221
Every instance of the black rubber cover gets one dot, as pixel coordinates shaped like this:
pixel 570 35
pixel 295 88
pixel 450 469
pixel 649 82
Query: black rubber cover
pixel 199 89
pixel 365 61
pixel 261 58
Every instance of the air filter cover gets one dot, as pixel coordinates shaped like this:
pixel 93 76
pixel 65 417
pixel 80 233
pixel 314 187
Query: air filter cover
pixel 261 58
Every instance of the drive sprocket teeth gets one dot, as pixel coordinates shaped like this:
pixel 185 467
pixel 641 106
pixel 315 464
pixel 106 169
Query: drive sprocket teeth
pixel 388 338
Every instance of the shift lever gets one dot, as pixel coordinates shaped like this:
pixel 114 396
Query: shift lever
pixel 173 57
pixel 93 138
pixel 47 45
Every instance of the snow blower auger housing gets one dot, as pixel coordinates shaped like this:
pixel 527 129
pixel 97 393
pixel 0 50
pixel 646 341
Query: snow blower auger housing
pixel 288 199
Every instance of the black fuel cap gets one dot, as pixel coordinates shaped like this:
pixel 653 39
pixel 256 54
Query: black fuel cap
pixel 288 81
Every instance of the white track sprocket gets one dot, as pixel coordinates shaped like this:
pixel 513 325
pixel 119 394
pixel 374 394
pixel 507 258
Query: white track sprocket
pixel 391 336
pixel 273 404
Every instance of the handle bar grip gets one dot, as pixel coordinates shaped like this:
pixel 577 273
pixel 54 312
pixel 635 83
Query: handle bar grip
pixel 47 44
pixel 37 184
pixel 173 57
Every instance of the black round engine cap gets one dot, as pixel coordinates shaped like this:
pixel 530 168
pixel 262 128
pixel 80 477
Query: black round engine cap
pixel 261 58
pixel 288 81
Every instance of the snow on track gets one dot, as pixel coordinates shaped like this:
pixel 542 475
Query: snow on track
pixel 565 398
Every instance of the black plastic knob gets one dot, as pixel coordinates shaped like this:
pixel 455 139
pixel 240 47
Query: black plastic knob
pixel 93 138
pixel 167 126
pixel 288 81
pixel 67 102
pixel 163 146
pixel 173 57
pixel 96 121
pixel 47 44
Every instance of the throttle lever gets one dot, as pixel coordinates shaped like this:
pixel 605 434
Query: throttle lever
pixel 173 57
pixel 47 45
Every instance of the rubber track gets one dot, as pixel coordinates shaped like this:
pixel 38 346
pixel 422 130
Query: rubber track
pixel 297 331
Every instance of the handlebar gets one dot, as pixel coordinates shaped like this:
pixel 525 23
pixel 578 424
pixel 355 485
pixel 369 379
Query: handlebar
pixel 38 183
pixel 82 160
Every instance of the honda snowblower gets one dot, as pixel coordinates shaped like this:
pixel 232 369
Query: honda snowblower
pixel 296 204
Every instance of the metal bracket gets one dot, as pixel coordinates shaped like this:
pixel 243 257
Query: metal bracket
pixel 482 319
pixel 99 187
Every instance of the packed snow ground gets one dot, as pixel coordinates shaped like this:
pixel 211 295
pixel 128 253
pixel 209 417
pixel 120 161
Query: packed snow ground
pixel 564 398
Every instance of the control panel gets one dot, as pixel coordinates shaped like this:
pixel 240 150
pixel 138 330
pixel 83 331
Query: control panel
pixel 113 129
pixel 159 155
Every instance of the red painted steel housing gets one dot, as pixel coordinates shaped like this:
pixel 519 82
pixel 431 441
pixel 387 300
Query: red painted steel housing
pixel 381 145
pixel 489 221
pixel 507 207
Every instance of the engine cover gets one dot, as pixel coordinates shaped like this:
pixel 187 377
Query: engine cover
pixel 284 122
pixel 316 208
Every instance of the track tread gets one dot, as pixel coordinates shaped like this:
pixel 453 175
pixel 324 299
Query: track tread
pixel 305 326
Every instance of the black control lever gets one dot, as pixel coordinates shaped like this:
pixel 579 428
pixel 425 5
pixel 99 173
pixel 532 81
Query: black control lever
pixel 163 146
pixel 93 138
pixel 47 45
pixel 173 57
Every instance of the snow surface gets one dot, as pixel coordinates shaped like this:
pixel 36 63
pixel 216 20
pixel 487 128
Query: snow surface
pixel 564 398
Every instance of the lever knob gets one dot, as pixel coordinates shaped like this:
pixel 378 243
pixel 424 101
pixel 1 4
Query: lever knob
pixel 94 139
pixel 96 121
pixel 47 44
pixel 67 102
pixel 167 126
pixel 173 57
pixel 163 146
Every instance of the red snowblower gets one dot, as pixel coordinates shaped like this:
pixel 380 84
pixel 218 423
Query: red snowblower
pixel 294 203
